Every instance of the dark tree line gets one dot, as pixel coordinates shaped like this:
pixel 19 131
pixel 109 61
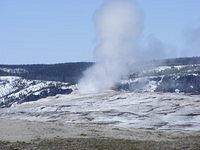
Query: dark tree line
pixel 65 72
pixel 72 72
pixel 180 61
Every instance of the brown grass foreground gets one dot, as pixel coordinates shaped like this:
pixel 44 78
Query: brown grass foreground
pixel 186 143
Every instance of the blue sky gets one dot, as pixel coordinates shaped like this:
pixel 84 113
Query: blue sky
pixel 49 31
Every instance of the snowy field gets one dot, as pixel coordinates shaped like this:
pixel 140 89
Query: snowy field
pixel 144 110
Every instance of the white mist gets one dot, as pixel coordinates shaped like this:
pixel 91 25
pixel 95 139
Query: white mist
pixel 118 28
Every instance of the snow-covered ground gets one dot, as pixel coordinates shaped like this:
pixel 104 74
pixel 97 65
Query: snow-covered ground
pixel 15 70
pixel 14 89
pixel 142 108
pixel 148 110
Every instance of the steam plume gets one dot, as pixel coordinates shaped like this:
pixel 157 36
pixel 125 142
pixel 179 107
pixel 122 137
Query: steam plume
pixel 192 40
pixel 157 49
pixel 118 29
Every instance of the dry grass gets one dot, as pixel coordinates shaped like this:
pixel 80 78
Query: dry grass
pixel 189 143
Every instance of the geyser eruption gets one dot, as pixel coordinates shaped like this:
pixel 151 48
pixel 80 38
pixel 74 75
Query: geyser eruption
pixel 118 28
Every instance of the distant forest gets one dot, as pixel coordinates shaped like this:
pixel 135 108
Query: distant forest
pixel 72 72
pixel 65 72
pixel 180 61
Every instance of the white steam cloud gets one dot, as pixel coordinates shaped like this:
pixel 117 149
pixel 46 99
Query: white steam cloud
pixel 192 40
pixel 118 29
pixel 156 49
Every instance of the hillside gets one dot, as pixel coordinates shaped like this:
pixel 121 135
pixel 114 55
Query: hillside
pixel 156 105
pixel 23 83
pixel 18 90
pixel 65 72
pixel 176 78
pixel 72 72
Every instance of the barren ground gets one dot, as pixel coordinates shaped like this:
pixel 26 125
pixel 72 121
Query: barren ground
pixel 111 120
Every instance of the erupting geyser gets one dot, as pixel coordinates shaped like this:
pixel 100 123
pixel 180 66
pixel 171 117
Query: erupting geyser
pixel 118 28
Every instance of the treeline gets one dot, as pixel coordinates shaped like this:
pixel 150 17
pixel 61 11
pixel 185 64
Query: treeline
pixel 65 72
pixel 72 72
pixel 180 61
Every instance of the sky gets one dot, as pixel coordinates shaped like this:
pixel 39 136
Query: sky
pixel 49 31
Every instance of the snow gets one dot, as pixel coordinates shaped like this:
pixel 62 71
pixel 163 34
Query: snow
pixel 16 70
pixel 149 110
pixel 162 68
pixel 14 87
pixel 7 84
pixel 178 68
pixel 145 109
